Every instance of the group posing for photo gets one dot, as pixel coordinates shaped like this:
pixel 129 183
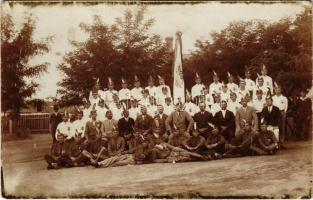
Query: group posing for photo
pixel 145 125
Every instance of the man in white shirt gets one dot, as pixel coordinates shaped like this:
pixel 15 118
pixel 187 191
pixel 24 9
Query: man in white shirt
pixel 86 110
pixel 216 86
pixel 124 93
pixel 152 107
pixel 190 107
pixel 168 106
pixel 161 86
pixel 151 87
pixel 108 95
pixel 281 102
pixel 64 129
pixel 259 103
pixel 96 90
pixel 261 86
pixel 231 85
pixel 233 104
pixel 268 81
pixel 197 90
pixel 117 111
pixel 101 111
pixel 242 91
pixel 224 92
pixel 136 92
pixel 79 125
pixel 134 110
pixel 144 101
pixel 250 85
pixel 208 99
pixel 94 99
pixel 217 105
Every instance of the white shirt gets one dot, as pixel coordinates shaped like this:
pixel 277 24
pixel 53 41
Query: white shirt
pixel 134 112
pixel 233 106
pixel 196 90
pixel 268 82
pixel 225 95
pixel 168 109
pixel 117 113
pixel 65 128
pixel 108 96
pixel 258 104
pixel 263 88
pixel 215 87
pixel 209 99
pixel 242 93
pixel 223 113
pixel 152 90
pixel 233 87
pixel 94 100
pixel 79 127
pixel 159 90
pixel 136 93
pixel 86 114
pixel 101 113
pixel 250 85
pixel 281 102
pixel 144 101
pixel 215 108
pixel 152 110
pixel 124 94
pixel 191 108
pixel 100 93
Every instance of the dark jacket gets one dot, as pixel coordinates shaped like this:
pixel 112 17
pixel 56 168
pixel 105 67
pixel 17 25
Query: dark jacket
pixel 271 118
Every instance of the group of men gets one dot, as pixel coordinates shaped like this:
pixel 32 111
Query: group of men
pixel 145 125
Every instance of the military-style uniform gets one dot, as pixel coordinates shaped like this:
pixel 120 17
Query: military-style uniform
pixel 233 106
pixel 101 113
pixel 108 96
pixel 136 93
pixel 233 87
pixel 153 90
pixel 268 82
pixel 196 92
pixel 250 84
pixel 124 95
pixel 215 88
pixel 191 108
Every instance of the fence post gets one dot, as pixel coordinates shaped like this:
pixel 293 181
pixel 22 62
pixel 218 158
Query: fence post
pixel 10 126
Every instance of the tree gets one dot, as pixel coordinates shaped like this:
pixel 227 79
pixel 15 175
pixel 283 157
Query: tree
pixel 17 48
pixel 285 47
pixel 120 50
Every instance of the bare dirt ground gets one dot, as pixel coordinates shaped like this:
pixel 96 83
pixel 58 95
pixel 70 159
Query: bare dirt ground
pixel 285 175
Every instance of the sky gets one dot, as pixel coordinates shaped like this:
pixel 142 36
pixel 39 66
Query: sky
pixel 196 22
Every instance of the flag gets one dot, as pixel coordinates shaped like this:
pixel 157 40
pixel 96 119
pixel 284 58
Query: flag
pixel 178 84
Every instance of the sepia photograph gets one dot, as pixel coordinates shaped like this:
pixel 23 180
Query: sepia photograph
pixel 147 99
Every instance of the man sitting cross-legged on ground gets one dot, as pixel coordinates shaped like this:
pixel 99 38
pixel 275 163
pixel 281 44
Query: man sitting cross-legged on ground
pixel 177 138
pixel 267 140
pixel 60 149
pixel 195 143
pixel 215 143
pixel 243 143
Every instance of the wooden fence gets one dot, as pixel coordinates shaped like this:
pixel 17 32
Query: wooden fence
pixel 36 122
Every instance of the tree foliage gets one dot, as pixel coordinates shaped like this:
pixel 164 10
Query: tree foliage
pixel 120 50
pixel 17 48
pixel 285 47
